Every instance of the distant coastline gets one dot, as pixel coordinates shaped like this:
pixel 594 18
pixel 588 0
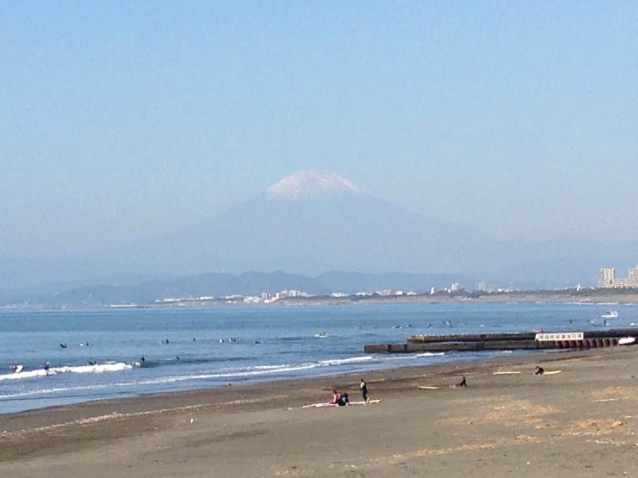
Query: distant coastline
pixel 595 296
pixel 583 296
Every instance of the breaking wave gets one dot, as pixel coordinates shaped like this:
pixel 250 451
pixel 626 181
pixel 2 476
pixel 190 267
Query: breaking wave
pixel 99 368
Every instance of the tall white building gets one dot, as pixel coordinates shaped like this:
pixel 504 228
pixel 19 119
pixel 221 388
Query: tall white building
pixel 608 279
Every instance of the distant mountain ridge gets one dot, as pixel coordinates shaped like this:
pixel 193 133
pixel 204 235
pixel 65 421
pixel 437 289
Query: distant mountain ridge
pixel 248 284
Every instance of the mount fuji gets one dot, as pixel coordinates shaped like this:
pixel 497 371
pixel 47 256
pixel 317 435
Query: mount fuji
pixel 315 222
pixel 312 222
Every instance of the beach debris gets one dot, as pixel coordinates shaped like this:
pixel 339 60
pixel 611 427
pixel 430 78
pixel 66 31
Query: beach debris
pixel 192 420
pixel 336 405
pixel 626 341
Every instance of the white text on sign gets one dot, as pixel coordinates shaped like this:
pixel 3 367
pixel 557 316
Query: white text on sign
pixel 560 336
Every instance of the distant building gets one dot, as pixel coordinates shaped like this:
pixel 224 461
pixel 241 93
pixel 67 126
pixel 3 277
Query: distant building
pixel 482 286
pixel 455 287
pixel 608 279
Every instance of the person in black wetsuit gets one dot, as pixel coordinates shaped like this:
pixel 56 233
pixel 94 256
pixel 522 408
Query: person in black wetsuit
pixel 339 398
pixel 462 383
pixel 364 390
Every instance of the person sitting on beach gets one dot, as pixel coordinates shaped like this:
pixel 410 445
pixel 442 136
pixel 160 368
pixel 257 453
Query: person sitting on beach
pixel 339 398
pixel 539 370
pixel 336 396
pixel 462 383
pixel 364 391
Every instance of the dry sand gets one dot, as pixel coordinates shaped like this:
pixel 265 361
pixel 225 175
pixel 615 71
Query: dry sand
pixel 582 421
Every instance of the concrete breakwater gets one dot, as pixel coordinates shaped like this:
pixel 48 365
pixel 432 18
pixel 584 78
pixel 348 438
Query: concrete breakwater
pixel 505 341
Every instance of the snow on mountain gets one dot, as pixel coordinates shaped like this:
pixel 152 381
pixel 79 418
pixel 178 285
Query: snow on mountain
pixel 312 222
pixel 308 183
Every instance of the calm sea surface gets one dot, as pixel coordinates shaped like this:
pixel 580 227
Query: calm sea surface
pixel 270 343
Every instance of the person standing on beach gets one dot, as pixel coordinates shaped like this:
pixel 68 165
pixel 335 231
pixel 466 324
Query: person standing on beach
pixel 364 391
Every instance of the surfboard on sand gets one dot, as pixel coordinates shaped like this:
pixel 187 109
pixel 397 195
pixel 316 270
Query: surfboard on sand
pixel 552 372
pixel 330 405
pixel 507 372
pixel 425 387
pixel 320 405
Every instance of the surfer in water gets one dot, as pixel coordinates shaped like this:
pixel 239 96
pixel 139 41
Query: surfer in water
pixel 46 366
pixel 364 391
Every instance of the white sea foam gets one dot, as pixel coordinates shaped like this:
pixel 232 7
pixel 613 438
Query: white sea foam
pixel 46 391
pixel 272 367
pixel 99 368
pixel 332 362
pixel 228 375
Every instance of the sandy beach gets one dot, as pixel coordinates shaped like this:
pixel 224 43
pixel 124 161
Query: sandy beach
pixel 581 420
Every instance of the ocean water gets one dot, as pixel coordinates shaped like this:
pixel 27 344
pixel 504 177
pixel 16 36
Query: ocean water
pixel 270 343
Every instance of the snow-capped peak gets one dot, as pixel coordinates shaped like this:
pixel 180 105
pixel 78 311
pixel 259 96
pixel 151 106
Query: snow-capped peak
pixel 311 183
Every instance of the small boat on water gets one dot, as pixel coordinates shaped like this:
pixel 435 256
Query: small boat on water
pixel 321 335
pixel 17 368
pixel 613 314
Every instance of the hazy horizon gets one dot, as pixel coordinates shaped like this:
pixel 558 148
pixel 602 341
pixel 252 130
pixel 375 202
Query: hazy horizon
pixel 126 121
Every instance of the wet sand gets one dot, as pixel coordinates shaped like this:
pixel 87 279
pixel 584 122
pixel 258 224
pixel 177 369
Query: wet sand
pixel 581 421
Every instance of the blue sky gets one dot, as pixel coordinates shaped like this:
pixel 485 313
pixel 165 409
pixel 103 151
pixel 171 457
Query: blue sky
pixel 123 120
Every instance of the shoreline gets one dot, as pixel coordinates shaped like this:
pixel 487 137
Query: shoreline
pixel 568 296
pixel 500 425
pixel 262 391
